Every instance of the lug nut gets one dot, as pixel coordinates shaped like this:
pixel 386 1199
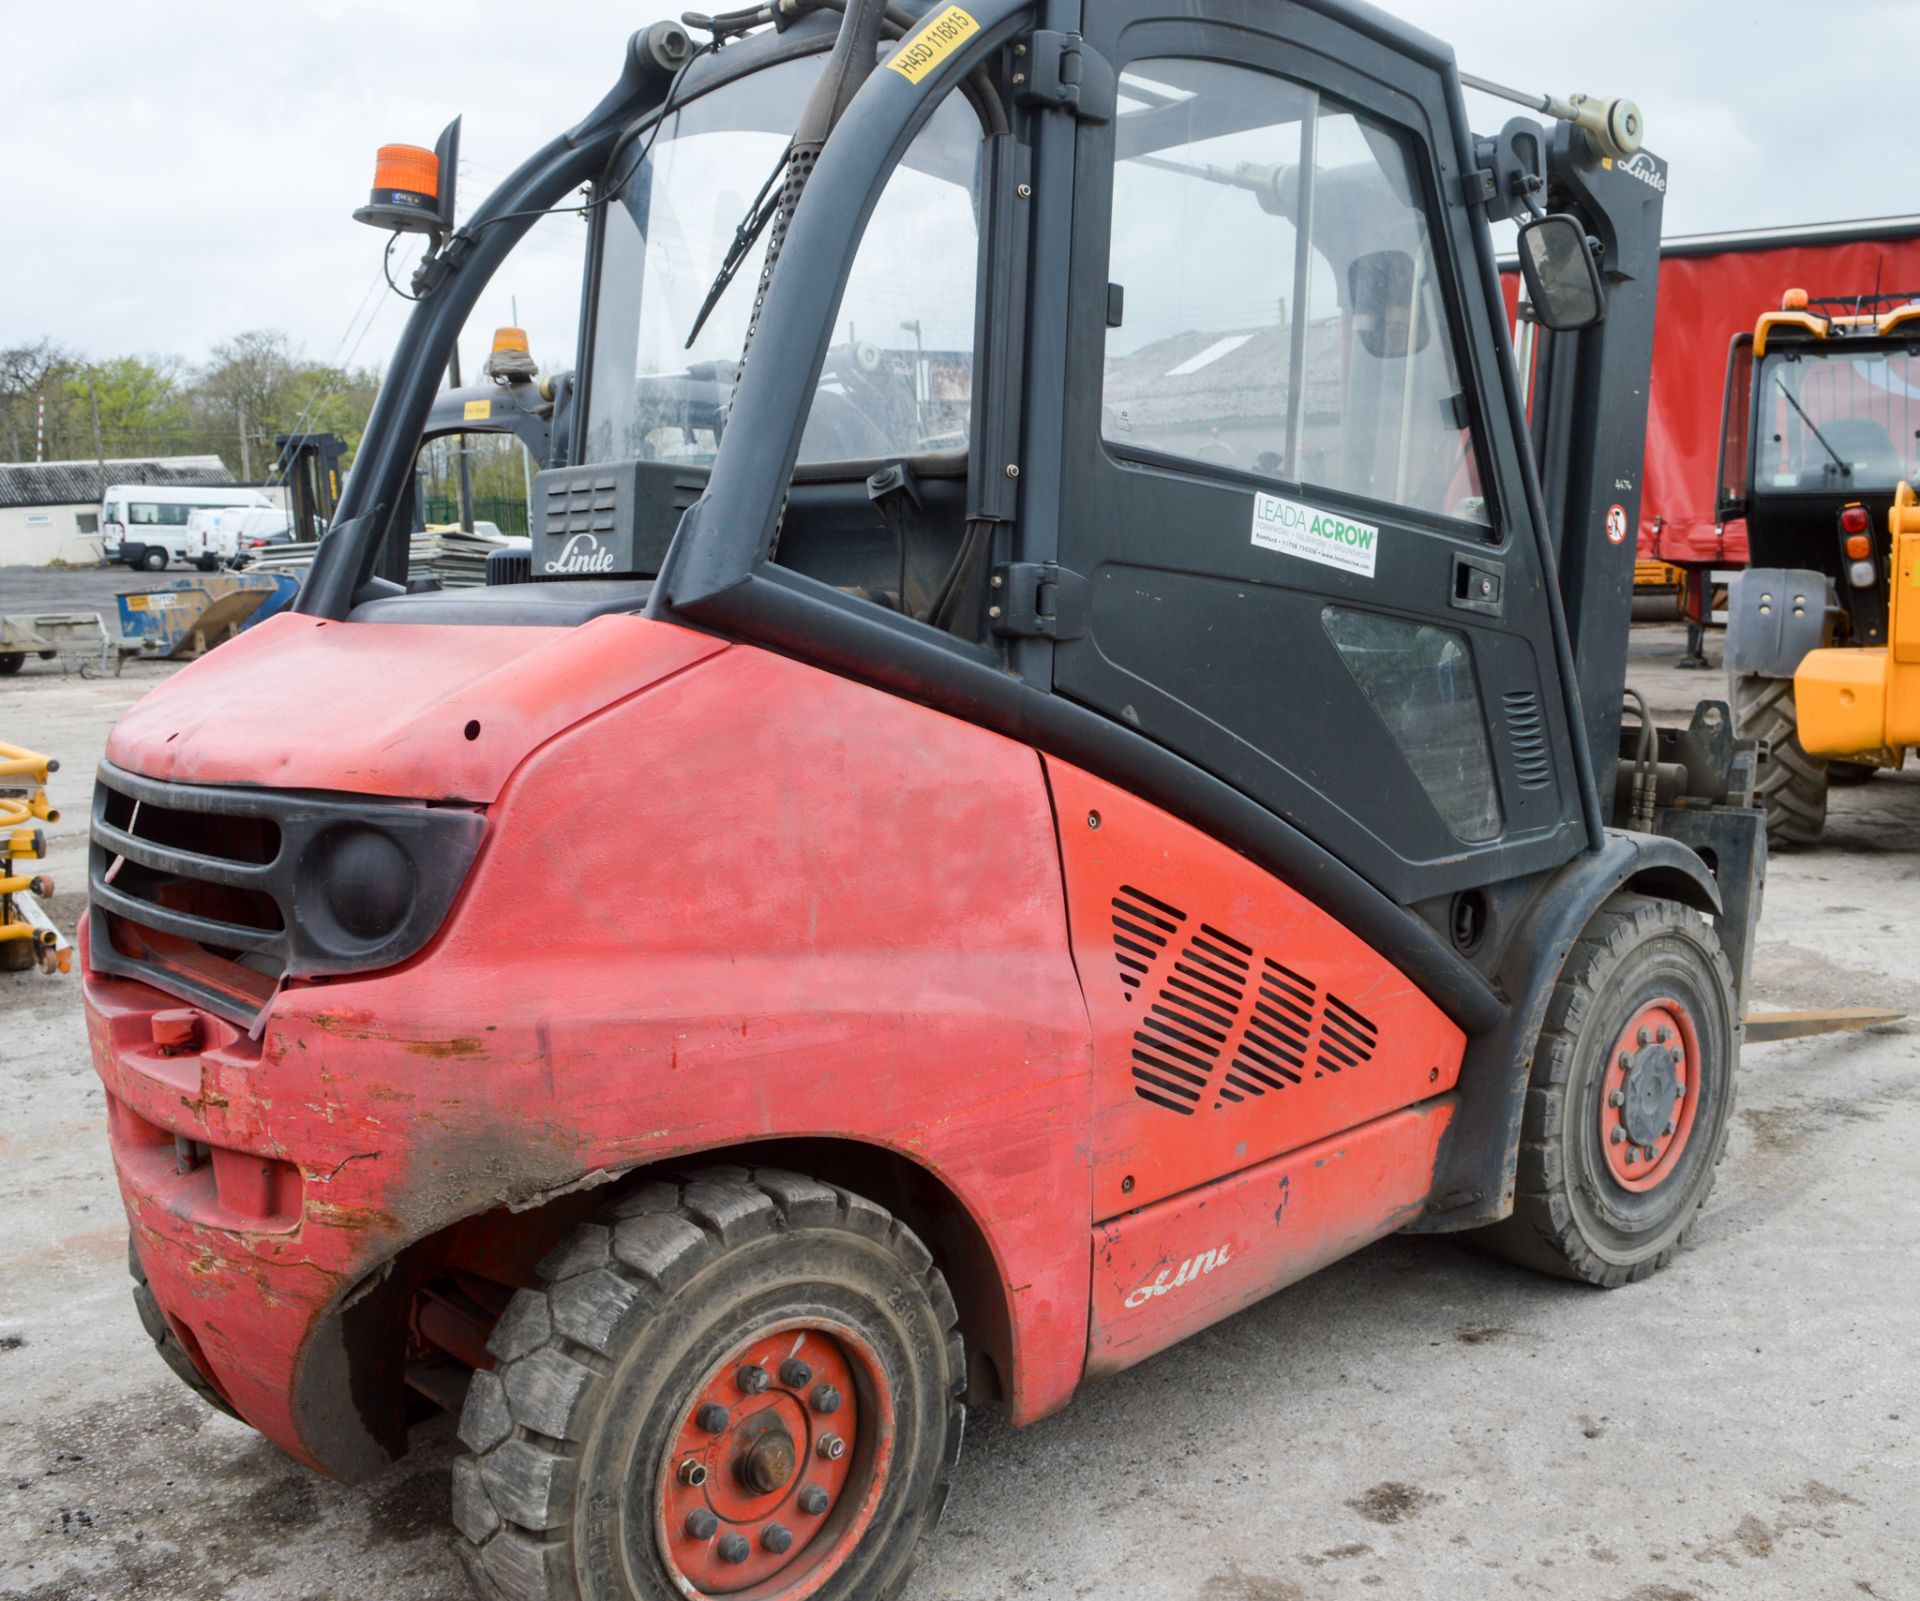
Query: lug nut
pixel 778 1539
pixel 1617 1098
pixel 1618 1136
pixel 1652 1153
pixel 1633 1153
pixel 826 1399
pixel 752 1379
pixel 1625 1060
pixel 1668 1129
pixel 1679 1091
pixel 831 1447
pixel 813 1500
pixel 701 1523
pixel 795 1374
pixel 713 1417
pixel 693 1472
pixel 1664 1035
pixel 1644 1037
pixel 734 1548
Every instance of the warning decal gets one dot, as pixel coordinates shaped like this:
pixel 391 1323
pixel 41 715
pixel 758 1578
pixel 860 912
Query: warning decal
pixel 932 42
pixel 1616 523
pixel 478 411
pixel 1296 529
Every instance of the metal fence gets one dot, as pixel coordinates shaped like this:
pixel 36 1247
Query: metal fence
pixel 508 514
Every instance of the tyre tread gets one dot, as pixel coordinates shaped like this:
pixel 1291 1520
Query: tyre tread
pixel 554 1343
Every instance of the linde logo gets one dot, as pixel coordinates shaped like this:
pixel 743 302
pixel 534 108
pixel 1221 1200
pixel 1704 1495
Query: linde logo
pixel 1189 1270
pixel 582 554
pixel 1642 167
pixel 1297 529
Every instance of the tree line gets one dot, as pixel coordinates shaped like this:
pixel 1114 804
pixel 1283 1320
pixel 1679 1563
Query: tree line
pixel 251 387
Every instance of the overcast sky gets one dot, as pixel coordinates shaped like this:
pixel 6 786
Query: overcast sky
pixel 174 174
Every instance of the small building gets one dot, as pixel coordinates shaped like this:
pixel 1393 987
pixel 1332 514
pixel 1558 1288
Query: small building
pixel 50 510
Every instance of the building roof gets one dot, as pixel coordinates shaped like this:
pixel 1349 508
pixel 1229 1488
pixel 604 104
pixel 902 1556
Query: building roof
pixel 82 483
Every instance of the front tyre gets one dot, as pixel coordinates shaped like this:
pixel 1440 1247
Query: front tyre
pixel 1630 1097
pixel 155 559
pixel 1791 786
pixel 740 1382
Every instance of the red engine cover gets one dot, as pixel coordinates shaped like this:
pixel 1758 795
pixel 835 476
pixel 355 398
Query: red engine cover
pixel 1233 1019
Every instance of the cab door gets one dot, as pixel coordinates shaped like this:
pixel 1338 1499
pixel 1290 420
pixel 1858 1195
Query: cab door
pixel 1293 509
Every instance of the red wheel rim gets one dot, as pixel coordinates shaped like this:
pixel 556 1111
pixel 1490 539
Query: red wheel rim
pixel 1649 1095
pixel 771 1499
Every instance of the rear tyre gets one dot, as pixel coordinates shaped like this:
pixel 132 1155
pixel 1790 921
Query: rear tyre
pixel 11 662
pixel 738 1381
pixel 165 1341
pixel 1630 1097
pixel 154 561
pixel 1791 786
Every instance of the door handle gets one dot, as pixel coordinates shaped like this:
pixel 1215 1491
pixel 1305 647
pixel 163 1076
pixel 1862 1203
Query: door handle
pixel 1479 584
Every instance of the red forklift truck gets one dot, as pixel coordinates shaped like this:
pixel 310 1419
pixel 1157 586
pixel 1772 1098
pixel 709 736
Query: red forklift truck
pixel 1054 767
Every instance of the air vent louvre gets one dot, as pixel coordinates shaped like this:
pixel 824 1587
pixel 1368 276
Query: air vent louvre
pixel 1527 739
pixel 1223 1024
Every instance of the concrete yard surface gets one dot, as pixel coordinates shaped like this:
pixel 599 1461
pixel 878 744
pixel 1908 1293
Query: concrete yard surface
pixel 1419 1421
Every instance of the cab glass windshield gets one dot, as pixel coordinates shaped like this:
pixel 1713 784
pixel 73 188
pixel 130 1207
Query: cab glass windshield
pixel 898 379
pixel 1837 420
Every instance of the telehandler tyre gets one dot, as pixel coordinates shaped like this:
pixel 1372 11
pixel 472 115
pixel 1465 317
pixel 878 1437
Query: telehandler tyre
pixel 1630 1098
pixel 1791 786
pixel 734 1381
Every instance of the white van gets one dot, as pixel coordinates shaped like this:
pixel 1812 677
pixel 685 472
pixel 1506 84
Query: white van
pixel 145 525
pixel 227 534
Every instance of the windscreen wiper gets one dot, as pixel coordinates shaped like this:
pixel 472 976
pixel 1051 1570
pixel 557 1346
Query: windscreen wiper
pixel 745 236
pixel 1780 380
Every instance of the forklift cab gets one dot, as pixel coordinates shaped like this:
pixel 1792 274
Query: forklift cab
pixel 1163 378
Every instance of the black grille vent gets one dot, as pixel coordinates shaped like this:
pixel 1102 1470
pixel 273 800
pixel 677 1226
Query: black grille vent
pixel 509 567
pixel 1346 1038
pixel 1141 928
pixel 1527 738
pixel 1223 1024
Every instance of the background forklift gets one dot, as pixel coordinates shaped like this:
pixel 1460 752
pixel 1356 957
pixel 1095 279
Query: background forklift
pixel 1822 425
pixel 1057 766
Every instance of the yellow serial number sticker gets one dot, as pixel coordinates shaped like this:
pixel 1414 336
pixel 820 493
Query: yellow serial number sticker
pixel 478 410
pixel 935 39
pixel 136 603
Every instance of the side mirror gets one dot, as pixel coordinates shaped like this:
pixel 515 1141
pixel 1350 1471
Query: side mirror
pixel 1563 280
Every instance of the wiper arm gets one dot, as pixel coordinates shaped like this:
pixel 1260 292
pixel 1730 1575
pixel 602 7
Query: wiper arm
pixel 746 235
pixel 1781 383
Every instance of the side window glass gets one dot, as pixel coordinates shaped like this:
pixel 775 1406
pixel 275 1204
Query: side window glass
pixel 898 380
pixel 1420 681
pixel 1278 306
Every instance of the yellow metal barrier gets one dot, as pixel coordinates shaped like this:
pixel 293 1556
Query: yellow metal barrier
pixel 22 922
pixel 1864 704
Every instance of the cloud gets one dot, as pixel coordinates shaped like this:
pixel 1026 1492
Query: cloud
pixel 175 174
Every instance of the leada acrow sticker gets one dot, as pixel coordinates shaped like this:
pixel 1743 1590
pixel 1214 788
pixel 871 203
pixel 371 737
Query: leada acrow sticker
pixel 1296 529
pixel 936 39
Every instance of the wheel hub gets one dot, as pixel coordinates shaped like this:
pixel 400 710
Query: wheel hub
pixel 766 1485
pixel 1648 1095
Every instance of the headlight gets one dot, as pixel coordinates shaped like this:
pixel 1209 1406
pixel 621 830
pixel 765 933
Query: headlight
pixel 357 886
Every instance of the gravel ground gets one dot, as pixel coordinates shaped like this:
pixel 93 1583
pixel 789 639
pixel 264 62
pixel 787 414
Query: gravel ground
pixel 1418 1421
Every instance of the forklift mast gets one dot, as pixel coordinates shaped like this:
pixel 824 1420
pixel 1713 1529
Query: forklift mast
pixel 309 465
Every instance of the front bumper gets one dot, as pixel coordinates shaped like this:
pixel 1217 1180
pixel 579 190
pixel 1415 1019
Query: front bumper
pixel 249 1242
